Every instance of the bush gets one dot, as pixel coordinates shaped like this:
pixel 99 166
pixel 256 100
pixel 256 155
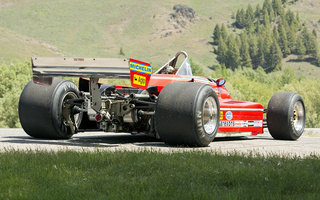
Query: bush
pixel 197 70
pixel 13 78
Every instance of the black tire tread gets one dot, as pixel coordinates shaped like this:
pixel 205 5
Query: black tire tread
pixel 279 111
pixel 175 116
pixel 35 110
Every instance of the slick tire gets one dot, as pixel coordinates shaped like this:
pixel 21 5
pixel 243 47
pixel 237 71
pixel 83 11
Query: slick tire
pixel 40 109
pixel 286 116
pixel 187 113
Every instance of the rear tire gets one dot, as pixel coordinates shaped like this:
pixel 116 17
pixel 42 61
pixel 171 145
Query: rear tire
pixel 187 114
pixel 286 116
pixel 41 106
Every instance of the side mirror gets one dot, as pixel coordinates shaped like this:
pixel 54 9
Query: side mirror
pixel 220 82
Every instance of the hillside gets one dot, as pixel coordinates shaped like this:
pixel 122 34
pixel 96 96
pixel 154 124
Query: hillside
pixel 98 29
pixel 144 29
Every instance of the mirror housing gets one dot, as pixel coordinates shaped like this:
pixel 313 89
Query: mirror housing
pixel 220 82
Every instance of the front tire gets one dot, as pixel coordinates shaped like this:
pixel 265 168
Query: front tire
pixel 187 113
pixel 286 116
pixel 42 109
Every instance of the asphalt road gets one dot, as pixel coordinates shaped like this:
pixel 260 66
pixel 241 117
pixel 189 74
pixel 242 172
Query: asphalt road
pixel 308 144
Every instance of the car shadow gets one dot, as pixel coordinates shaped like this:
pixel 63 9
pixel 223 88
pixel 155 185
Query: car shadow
pixel 114 140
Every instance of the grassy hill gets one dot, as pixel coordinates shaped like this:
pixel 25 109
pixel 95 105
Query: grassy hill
pixel 100 28
pixel 143 29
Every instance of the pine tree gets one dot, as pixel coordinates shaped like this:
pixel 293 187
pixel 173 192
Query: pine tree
pixel 266 18
pixel 291 37
pixel 238 41
pixel 314 48
pixel 306 38
pixel 276 4
pixel 216 34
pixel 300 48
pixel 253 50
pixel 249 17
pixel 233 54
pixel 267 5
pixel 244 51
pixel 271 14
pixel 267 42
pixel 250 12
pixel 223 31
pixel 283 42
pixel 291 20
pixel 222 51
pixel 260 60
pixel 257 13
pixel 240 18
pixel 275 57
pixel 311 44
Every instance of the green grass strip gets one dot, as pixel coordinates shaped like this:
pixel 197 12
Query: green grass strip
pixel 154 175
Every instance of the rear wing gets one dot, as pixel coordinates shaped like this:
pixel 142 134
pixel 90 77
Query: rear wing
pixel 44 68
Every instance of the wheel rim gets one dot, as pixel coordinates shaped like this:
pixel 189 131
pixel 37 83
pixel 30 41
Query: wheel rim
pixel 210 111
pixel 77 117
pixel 298 116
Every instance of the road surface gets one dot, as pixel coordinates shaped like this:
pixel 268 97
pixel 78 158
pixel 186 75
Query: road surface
pixel 308 144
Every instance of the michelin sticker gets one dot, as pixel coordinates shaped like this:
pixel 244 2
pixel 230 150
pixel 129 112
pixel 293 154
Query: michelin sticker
pixel 140 73
pixel 229 115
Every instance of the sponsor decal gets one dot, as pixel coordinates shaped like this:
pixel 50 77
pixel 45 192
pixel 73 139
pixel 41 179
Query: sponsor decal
pixel 256 123
pixel 229 115
pixel 227 123
pixel 140 73
pixel 139 80
pixel 221 115
pixel 139 66
pixel 238 123
pixel 78 59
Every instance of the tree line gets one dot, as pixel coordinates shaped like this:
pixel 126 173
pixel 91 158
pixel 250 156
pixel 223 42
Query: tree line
pixel 268 34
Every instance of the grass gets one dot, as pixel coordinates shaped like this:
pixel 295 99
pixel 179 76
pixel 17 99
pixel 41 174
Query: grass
pixel 15 47
pixel 99 29
pixel 154 175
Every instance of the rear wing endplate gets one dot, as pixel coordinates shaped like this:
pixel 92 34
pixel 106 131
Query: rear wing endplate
pixel 44 68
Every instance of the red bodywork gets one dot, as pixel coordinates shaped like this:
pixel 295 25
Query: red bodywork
pixel 235 116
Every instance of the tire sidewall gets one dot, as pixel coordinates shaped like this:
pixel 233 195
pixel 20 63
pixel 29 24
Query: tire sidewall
pixel 56 113
pixel 202 136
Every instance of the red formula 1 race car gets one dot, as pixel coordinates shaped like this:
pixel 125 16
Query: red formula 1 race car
pixel 170 104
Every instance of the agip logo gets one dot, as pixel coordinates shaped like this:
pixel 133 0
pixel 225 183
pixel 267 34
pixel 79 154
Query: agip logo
pixel 140 73
pixel 139 80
